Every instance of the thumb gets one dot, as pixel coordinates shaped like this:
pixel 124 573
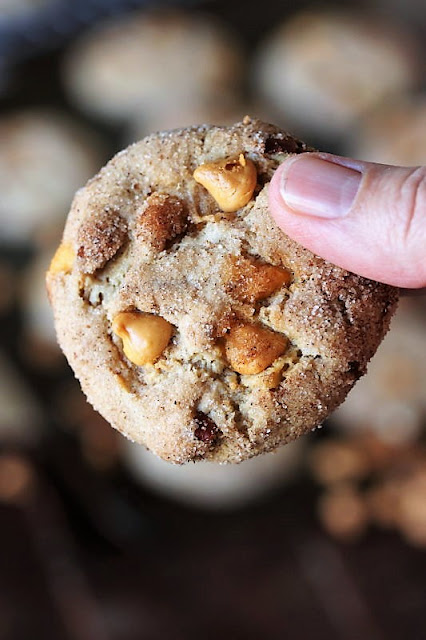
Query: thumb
pixel 367 218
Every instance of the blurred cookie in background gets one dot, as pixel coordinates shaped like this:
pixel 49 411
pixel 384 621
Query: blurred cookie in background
pixel 323 69
pixel 45 157
pixel 393 133
pixel 398 500
pixel 343 513
pixel 147 61
pixel 100 446
pixel 193 112
pixel 210 485
pixel 20 413
pixel 390 400
pixel 185 114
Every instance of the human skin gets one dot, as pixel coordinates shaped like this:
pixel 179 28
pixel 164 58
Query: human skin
pixel 365 217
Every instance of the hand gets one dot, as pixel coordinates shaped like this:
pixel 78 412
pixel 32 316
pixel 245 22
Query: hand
pixel 367 218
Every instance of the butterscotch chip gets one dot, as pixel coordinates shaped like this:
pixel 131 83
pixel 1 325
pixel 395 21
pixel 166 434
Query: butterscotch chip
pixel 230 181
pixel 63 259
pixel 251 281
pixel 144 336
pixel 259 340
pixel 251 348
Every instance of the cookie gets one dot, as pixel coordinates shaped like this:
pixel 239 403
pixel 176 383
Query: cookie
pixel 44 157
pixel 139 63
pixel 323 68
pixel 195 325
pixel 173 116
pixel 21 416
pixel 391 401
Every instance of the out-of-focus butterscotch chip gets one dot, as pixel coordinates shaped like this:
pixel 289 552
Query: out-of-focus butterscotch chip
pixel 249 280
pixel 411 507
pixel 381 454
pixel 337 461
pixel 252 348
pixel 16 478
pixel 382 501
pixel 398 500
pixel 63 259
pixel 343 513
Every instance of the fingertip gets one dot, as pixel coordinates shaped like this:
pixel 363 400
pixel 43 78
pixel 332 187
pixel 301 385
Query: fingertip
pixel 356 241
pixel 276 202
pixel 278 208
pixel 298 227
pixel 339 241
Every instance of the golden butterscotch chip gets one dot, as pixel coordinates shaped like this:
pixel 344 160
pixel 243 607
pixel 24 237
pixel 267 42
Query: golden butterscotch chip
pixel 251 348
pixel 230 181
pixel 144 336
pixel 162 218
pixel 249 280
pixel 63 260
pixel 270 378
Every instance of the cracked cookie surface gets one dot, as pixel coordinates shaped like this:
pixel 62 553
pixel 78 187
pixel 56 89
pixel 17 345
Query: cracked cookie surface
pixel 200 329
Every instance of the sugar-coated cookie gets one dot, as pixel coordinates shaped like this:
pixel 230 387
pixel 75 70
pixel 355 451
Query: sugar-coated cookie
pixel 322 69
pixel 195 325
pixel 143 62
